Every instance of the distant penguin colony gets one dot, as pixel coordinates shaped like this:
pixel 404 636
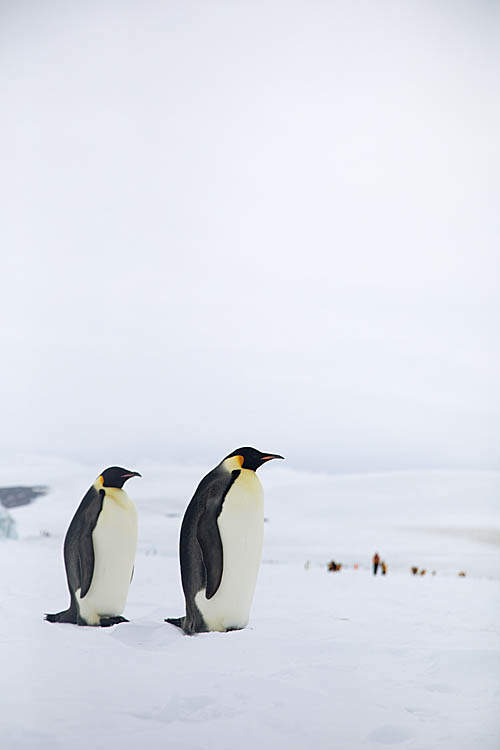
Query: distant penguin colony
pixel 220 548
pixel 99 552
pixel 221 544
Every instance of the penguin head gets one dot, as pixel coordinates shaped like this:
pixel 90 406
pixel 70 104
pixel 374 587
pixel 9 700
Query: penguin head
pixel 251 458
pixel 115 476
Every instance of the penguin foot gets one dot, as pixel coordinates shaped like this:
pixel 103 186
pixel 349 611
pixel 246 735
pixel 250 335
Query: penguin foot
pixel 107 622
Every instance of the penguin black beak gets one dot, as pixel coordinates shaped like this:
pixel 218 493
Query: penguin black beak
pixel 131 474
pixel 270 456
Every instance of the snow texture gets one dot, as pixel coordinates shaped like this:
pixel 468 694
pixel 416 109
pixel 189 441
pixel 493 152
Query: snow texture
pixel 329 660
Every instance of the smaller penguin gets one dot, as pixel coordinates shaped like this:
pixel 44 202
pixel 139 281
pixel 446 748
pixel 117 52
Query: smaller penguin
pixel 99 552
pixel 221 544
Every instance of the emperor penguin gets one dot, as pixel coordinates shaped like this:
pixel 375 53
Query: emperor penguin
pixel 221 544
pixel 99 552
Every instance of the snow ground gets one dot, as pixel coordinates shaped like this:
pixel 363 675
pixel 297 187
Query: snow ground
pixel 329 660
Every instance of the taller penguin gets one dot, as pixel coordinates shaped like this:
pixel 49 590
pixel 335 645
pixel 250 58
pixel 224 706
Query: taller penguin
pixel 99 552
pixel 221 544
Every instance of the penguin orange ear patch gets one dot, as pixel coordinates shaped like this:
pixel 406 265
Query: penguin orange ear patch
pixel 240 460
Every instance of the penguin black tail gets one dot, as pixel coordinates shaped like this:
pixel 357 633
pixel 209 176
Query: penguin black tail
pixel 67 616
pixel 177 621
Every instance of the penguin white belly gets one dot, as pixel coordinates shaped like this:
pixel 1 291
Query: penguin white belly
pixel 241 527
pixel 115 540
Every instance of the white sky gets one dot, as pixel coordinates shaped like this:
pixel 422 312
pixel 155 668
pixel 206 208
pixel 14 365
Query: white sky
pixel 267 223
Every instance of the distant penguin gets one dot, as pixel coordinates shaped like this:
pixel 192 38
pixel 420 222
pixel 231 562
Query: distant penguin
pixel 221 544
pixel 99 552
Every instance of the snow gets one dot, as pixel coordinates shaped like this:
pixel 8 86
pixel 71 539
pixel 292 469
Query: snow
pixel 330 660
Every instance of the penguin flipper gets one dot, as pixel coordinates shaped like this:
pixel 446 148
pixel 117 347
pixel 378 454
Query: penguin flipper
pixel 87 561
pixel 208 534
pixel 211 548
pixel 78 544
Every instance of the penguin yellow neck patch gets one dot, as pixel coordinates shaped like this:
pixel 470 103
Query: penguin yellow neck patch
pixel 233 462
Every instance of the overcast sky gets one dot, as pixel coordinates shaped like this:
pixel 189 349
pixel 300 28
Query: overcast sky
pixel 265 223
